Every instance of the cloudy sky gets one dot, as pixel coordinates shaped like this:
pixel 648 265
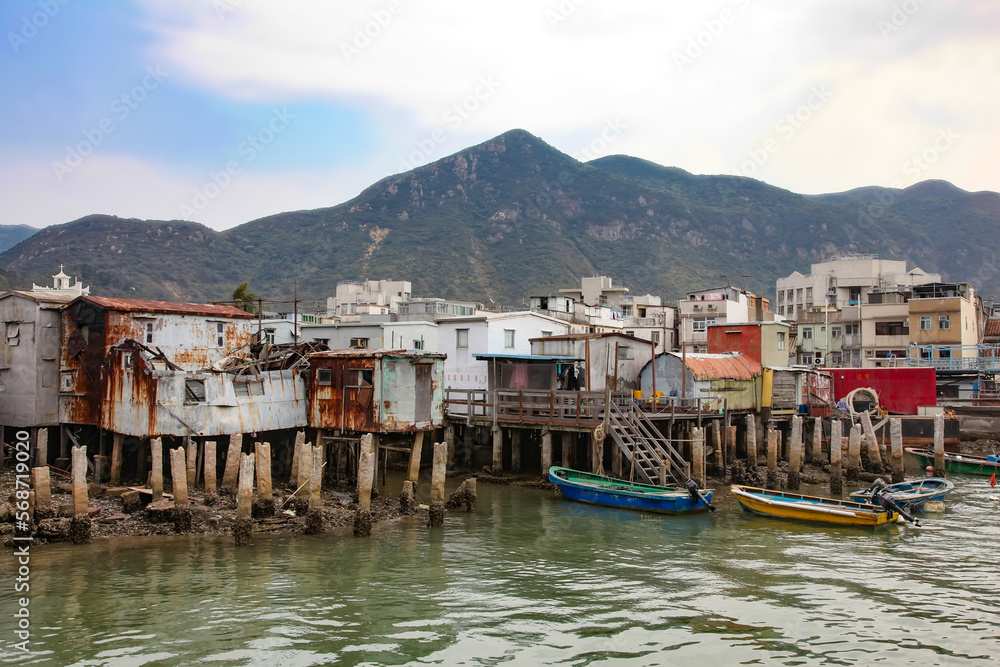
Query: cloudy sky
pixel 223 111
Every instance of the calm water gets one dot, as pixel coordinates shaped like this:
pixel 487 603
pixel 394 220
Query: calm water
pixel 532 579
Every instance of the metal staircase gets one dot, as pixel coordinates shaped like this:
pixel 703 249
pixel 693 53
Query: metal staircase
pixel 644 446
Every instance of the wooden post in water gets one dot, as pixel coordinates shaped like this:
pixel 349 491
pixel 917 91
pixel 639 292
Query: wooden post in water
pixel 211 480
pixel 515 450
pixel 939 445
pixel 751 441
pixel 293 475
pixel 566 449
pixel 731 444
pixel 436 514
pixel 366 478
pixel 41 447
pixel 772 458
pixel 836 450
pixel 871 442
pixel 116 458
pixel 192 461
pixel 233 463
pixel 178 477
pixel 816 454
pixel 698 456
pixel 316 478
pixel 243 526
pixel 413 472
pixel 795 455
pixel 854 453
pixel 449 438
pixel 547 453
pixel 715 430
pixel 41 483
pixel 497 450
pixel 896 449
pixel 156 479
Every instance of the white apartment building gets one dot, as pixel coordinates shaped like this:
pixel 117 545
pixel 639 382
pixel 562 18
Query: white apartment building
pixel 698 310
pixel 370 297
pixel 843 281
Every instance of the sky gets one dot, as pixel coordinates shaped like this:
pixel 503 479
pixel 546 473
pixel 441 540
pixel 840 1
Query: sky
pixel 225 111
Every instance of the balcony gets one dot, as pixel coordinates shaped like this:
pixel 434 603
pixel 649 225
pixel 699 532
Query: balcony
pixel 851 340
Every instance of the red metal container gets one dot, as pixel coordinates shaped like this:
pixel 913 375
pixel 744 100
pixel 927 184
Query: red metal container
pixel 900 390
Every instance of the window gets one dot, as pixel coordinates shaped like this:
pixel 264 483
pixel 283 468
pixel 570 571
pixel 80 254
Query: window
pixel 269 336
pixel 624 352
pixel 194 390
pixel 807 359
pixel 781 340
pixel 892 328
pixel 835 332
pixel 654 336
pixel 809 294
pixel 851 329
pixel 925 352
pixel 807 333
pixel 67 381
pixel 359 343
pixel 781 296
pixel 13 333
pixel 324 376
pixel 701 323
pixel 248 387
pixel 220 328
pixel 944 321
pixel 781 310
pixel 546 334
pixel 418 344
pixel 798 294
pixel 836 359
pixel 508 338
pixel 925 322
pixel 945 354
pixel 461 338
pixel 149 332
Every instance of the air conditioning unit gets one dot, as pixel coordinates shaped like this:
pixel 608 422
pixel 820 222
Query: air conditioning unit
pixel 697 306
pixel 711 306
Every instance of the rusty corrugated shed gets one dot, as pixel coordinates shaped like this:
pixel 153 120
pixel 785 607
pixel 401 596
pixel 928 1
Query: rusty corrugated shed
pixel 140 305
pixel 722 367
pixel 362 353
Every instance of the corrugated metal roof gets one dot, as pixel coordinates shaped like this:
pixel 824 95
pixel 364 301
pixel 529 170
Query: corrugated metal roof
pixel 358 353
pixel 992 327
pixel 722 366
pixel 540 358
pixel 139 305
pixel 40 297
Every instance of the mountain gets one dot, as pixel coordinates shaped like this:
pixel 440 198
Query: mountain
pixel 11 235
pixel 512 217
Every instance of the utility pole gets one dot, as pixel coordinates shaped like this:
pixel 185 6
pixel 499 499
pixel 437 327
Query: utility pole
pixel 295 311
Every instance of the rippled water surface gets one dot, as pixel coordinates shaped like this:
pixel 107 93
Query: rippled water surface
pixel 531 579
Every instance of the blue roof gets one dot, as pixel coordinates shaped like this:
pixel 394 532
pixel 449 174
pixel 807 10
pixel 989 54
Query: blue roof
pixel 526 357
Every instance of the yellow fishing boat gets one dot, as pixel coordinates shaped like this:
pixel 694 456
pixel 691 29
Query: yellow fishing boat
pixel 814 508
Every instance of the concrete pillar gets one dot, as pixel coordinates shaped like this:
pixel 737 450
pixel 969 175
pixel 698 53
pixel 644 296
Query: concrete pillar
pixel 316 478
pixel 854 453
pixel 117 439
pixel 715 430
pixel 939 445
pixel 81 503
pixel 698 456
pixel 210 476
pixel 566 449
pixel 262 460
pixel 178 477
pixel 497 450
pixel 871 441
pixel 896 447
pixel 41 446
pixel 192 461
pixel 751 441
pixel 546 452
pixel 300 440
pixel 816 453
pixel 772 458
pixel 42 486
pixel 795 455
pixel 244 490
pixel 836 451
pixel 366 471
pixel 156 477
pixel 413 472
pixel 304 478
pixel 233 463
pixel 515 450
pixel 436 514
pixel 731 444
pixel 449 439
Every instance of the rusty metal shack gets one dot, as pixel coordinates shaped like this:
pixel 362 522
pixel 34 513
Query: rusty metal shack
pixel 191 336
pixel 733 376
pixel 376 391
pixel 610 359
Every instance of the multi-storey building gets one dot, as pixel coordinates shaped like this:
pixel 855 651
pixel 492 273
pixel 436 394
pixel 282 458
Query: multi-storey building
pixel 370 297
pixel 699 310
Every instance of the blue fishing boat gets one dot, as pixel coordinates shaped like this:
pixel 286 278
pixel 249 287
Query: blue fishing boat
pixel 587 487
pixel 912 494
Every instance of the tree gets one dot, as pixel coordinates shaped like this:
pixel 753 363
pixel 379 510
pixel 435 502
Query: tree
pixel 244 298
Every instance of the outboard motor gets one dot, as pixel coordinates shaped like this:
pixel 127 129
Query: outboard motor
pixel 696 495
pixel 885 500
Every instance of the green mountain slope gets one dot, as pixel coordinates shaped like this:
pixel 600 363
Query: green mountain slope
pixel 513 217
